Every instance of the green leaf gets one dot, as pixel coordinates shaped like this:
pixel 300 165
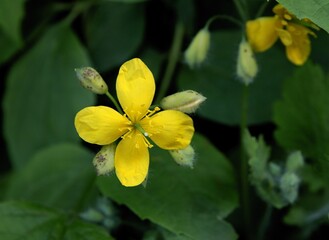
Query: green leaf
pixel 43 95
pixel 188 202
pixel 114 31
pixel 11 15
pixel 311 209
pixel 259 154
pixel 7 46
pixel 217 81
pixel 315 10
pixel 302 115
pixel 79 230
pixel 20 220
pixel 59 176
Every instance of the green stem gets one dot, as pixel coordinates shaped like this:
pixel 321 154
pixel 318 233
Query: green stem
pixel 242 9
pixel 117 106
pixel 265 222
pixel 174 54
pixel 225 17
pixel 244 181
pixel 261 9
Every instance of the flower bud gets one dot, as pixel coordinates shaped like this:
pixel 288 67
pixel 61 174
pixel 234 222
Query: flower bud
pixel 184 157
pixel 104 159
pixel 247 67
pixel 186 101
pixel 197 51
pixel 91 80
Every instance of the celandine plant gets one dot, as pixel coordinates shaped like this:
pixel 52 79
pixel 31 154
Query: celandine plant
pixel 168 129
pixel 219 130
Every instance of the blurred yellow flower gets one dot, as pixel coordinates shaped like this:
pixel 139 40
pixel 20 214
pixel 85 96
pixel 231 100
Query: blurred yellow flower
pixel 263 32
pixel 169 129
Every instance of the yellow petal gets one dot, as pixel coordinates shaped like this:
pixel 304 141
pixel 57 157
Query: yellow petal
pixel 101 125
pixel 132 159
pixel 300 49
pixel 285 37
pixel 169 129
pixel 262 33
pixel 135 88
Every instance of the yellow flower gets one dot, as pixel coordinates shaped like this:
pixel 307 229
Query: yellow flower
pixel 169 129
pixel 263 32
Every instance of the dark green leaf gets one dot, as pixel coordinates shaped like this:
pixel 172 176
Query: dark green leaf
pixel 114 32
pixel 43 95
pixel 59 176
pixel 315 10
pixel 217 81
pixel 7 46
pixel 11 15
pixel 20 220
pixel 189 202
pixel 302 116
pixel 79 230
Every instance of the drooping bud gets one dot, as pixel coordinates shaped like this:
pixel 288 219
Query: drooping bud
pixel 247 67
pixel 104 159
pixel 91 80
pixel 184 157
pixel 197 51
pixel 186 101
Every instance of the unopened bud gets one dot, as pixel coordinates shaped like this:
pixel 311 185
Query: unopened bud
pixel 197 51
pixel 184 157
pixel 186 101
pixel 91 80
pixel 247 67
pixel 104 159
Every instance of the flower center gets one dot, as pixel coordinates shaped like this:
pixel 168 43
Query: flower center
pixel 140 129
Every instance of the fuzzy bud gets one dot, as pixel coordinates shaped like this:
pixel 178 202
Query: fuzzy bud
pixel 91 80
pixel 184 157
pixel 186 101
pixel 247 67
pixel 104 159
pixel 197 51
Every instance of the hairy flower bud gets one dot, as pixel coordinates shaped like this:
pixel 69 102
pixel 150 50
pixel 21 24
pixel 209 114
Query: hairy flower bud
pixel 197 51
pixel 186 101
pixel 184 157
pixel 104 159
pixel 247 67
pixel 91 80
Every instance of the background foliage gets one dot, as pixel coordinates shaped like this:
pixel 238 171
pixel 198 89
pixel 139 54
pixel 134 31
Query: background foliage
pixel 49 188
